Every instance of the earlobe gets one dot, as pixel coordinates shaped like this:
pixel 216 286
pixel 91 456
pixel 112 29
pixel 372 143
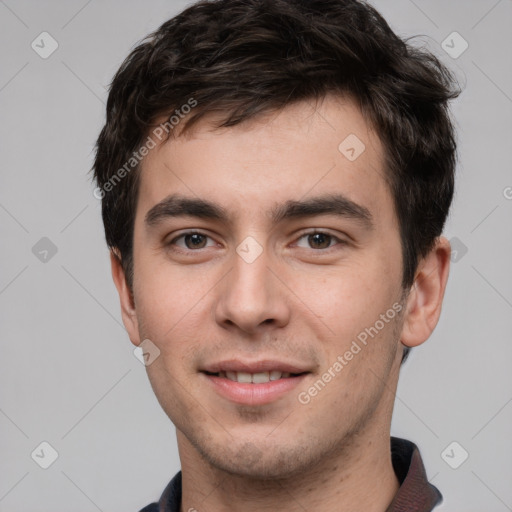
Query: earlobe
pixel 128 311
pixel 425 299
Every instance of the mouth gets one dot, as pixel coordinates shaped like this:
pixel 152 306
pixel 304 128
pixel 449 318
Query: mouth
pixel 255 383
pixel 254 378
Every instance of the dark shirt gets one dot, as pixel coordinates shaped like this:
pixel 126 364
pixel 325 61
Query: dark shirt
pixel 416 494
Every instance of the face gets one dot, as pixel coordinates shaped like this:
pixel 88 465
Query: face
pixel 264 251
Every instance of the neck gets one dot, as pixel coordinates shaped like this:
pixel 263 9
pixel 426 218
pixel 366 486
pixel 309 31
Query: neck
pixel 362 479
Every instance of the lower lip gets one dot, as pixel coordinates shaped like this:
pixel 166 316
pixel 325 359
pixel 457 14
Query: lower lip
pixel 253 394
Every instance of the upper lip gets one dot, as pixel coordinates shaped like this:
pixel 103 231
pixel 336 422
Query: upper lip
pixel 266 365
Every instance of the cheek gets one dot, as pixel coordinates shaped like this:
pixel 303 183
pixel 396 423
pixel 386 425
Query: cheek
pixel 165 294
pixel 358 304
pixel 171 313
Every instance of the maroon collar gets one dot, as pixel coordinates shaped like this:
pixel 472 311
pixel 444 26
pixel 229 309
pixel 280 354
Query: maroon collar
pixel 416 494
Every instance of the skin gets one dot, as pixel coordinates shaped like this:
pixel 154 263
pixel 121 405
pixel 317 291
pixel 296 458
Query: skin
pixel 301 300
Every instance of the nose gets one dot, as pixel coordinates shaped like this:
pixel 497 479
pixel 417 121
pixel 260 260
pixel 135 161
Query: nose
pixel 251 296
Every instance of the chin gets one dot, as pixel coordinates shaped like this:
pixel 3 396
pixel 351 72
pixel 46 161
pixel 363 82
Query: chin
pixel 250 460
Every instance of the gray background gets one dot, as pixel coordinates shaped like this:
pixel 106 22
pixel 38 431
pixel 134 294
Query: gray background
pixel 68 375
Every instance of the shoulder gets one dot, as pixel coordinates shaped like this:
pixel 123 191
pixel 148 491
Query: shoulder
pixel 152 507
pixel 170 500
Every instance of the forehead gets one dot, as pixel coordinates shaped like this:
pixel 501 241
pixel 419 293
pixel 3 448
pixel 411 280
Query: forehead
pixel 309 148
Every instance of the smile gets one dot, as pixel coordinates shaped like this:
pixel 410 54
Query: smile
pixel 255 378
pixel 253 388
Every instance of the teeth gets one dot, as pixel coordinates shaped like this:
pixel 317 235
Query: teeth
pixel 255 378
pixel 260 378
pixel 244 377
pixel 274 375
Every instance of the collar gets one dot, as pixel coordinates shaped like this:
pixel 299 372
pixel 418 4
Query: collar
pixel 415 494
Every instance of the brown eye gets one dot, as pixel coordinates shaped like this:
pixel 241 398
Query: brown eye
pixel 195 241
pixel 319 240
pixel 192 241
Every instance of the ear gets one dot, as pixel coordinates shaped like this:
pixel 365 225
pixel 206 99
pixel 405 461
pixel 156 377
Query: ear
pixel 127 304
pixel 426 296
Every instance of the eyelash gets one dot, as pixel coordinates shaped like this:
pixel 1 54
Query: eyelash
pixel 305 234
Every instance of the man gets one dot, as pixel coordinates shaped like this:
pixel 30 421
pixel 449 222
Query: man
pixel 275 177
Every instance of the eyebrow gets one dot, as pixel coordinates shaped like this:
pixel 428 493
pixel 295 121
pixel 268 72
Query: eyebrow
pixel 176 205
